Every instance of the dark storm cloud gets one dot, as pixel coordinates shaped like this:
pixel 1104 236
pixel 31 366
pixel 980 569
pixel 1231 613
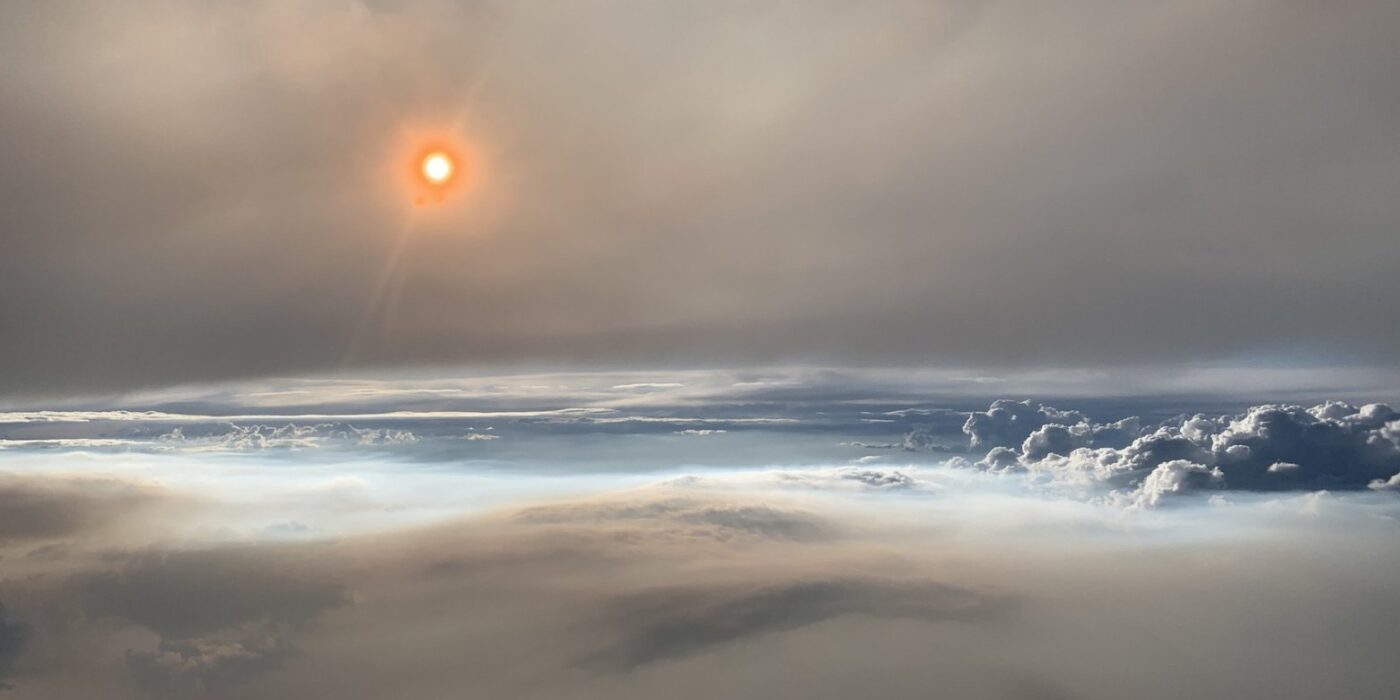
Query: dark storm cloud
pixel 198 191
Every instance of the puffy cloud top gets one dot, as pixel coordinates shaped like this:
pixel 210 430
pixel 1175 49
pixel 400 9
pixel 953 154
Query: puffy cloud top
pixel 1272 447
pixel 1007 422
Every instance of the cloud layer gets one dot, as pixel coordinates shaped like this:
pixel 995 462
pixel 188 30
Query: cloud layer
pixel 720 591
pixel 857 427
pixel 746 534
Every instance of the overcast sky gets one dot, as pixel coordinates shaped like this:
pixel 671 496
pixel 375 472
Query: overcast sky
pixel 195 192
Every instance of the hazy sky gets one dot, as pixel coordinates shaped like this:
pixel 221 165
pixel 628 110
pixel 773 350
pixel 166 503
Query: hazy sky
pixel 1022 350
pixel 194 192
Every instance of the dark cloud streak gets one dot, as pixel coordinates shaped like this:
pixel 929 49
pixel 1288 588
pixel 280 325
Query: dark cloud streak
pixel 662 625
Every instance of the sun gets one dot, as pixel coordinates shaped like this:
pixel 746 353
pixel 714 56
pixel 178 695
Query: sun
pixel 433 167
pixel 437 168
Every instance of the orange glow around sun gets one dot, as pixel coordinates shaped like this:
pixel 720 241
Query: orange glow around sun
pixel 439 169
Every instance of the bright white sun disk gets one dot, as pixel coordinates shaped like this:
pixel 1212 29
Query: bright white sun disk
pixel 437 168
